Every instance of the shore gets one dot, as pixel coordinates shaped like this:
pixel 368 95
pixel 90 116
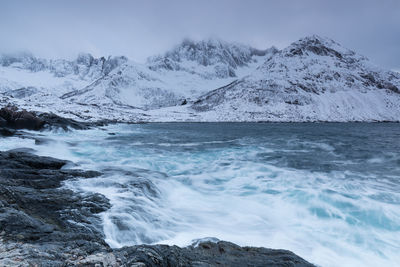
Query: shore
pixel 44 224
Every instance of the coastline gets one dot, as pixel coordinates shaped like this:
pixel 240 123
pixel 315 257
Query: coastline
pixel 42 223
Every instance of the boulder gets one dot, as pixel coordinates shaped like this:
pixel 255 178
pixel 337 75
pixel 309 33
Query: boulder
pixel 12 118
pixel 45 224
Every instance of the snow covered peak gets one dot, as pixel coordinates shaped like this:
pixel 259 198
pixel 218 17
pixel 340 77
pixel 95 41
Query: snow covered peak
pixel 216 57
pixel 213 51
pixel 23 60
pixel 107 65
pixel 321 46
pixel 315 38
pixel 84 64
pixel 85 59
pixel 312 79
pixel 314 54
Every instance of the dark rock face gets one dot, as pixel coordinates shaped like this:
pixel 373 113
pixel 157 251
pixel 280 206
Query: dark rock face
pixel 12 118
pixel 208 254
pixel 3 122
pixel 34 208
pixel 5 131
pixel 44 224
pixel 54 121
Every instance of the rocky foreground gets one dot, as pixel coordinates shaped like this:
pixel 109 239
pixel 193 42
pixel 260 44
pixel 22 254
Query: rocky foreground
pixel 44 224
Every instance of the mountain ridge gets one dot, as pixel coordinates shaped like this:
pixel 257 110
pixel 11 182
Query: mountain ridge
pixel 299 75
pixel 313 79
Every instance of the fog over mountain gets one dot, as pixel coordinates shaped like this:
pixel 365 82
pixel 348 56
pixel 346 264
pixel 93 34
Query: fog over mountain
pixel 200 133
pixel 202 60
pixel 313 79
pixel 138 29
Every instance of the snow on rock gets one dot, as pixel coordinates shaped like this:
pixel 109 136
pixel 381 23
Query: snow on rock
pixel 56 77
pixel 185 72
pixel 219 58
pixel 313 79
pixel 131 85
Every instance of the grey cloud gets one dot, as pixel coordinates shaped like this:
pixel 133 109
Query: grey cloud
pixel 139 29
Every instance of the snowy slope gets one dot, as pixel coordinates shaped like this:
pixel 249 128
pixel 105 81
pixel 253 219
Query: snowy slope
pixel 37 84
pixel 209 59
pixel 55 77
pixel 184 73
pixel 314 79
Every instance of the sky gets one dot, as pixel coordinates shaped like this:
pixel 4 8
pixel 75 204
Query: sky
pixel 138 29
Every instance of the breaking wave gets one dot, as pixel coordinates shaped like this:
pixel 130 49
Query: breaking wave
pixel 328 192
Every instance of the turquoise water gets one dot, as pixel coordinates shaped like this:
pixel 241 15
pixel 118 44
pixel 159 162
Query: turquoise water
pixel 328 192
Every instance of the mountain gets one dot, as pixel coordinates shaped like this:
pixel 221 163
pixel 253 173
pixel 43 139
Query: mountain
pixel 183 73
pixel 314 79
pixel 85 64
pixel 23 70
pixel 118 84
pixel 130 85
pixel 219 59
pixel 38 84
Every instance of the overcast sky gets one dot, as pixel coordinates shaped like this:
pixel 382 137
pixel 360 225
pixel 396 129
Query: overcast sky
pixel 139 29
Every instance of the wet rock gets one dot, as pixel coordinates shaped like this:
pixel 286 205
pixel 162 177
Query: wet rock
pixel 208 254
pixel 12 118
pixel 6 132
pixel 54 121
pixel 26 161
pixel 3 122
pixel 44 224
pixel 41 140
pixel 35 209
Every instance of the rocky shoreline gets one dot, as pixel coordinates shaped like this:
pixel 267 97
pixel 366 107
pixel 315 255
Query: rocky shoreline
pixel 44 224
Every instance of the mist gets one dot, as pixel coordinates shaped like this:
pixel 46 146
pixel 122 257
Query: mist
pixel 138 29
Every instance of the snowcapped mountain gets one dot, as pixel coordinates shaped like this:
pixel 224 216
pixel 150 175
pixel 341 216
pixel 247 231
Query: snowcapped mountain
pixel 314 79
pixel 219 59
pixel 38 84
pixel 130 85
pixel 23 70
pixel 185 72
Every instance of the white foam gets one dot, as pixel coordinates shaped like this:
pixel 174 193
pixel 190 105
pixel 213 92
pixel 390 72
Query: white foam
pixel 330 218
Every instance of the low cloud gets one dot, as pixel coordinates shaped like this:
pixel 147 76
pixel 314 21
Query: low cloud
pixel 139 29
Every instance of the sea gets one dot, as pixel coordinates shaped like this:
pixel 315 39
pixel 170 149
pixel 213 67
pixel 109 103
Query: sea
pixel 329 192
